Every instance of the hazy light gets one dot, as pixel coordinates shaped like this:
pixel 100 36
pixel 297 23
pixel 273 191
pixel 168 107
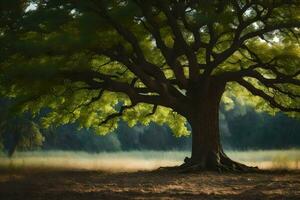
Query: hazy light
pixel 276 39
pixel 31 7
pixel 141 160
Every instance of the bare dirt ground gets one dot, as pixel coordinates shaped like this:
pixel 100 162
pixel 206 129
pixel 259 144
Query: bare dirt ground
pixel 52 184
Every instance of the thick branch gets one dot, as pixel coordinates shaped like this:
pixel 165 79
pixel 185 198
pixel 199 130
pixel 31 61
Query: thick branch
pixel 116 115
pixel 270 28
pixel 239 40
pixel 131 38
pixel 266 97
pixel 169 54
pixel 101 81
pixel 192 59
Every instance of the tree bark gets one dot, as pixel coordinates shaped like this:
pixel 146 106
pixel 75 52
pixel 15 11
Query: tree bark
pixel 203 116
pixel 204 120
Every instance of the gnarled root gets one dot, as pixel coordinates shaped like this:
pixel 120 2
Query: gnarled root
pixel 224 164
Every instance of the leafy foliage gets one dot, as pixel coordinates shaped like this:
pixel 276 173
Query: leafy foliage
pixel 94 62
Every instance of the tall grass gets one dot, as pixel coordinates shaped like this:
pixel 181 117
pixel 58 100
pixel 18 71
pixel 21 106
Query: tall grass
pixel 271 159
pixel 140 160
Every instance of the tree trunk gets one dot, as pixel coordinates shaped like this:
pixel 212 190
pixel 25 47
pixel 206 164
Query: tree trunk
pixel 207 152
pixel 204 120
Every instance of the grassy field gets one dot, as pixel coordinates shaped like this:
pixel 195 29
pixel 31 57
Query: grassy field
pixel 141 160
pixel 132 175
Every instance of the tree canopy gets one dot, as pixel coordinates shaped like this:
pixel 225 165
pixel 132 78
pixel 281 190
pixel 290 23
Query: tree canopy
pixel 94 62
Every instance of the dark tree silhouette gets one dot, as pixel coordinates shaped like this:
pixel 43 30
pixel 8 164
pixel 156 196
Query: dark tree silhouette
pixel 152 60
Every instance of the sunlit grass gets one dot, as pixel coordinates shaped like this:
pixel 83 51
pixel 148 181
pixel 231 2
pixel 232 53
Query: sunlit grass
pixel 140 160
pixel 114 162
pixel 271 159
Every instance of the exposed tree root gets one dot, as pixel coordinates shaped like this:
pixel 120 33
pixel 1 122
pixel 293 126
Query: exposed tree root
pixel 225 164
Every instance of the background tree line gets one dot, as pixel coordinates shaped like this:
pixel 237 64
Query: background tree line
pixel 242 128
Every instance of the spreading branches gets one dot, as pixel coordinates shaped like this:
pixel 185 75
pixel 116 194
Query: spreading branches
pixel 149 74
pixel 116 115
pixel 153 110
pixel 271 100
pixel 270 28
pixel 103 82
pixel 240 38
pixel 193 39
pixel 277 84
pixel 121 112
pixel 175 15
pixel 170 54
pixel 180 40
pixel 273 83
pixel 84 104
pixel 277 81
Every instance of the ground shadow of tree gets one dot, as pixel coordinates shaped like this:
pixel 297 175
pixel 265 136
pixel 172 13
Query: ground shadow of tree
pixel 148 185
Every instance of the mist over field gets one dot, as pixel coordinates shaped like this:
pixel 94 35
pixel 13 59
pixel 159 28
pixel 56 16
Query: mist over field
pixel 150 147
pixel 139 160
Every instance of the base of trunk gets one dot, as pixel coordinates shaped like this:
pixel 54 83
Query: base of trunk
pixel 224 164
pixel 203 117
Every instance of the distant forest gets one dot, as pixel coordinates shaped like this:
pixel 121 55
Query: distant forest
pixel 242 128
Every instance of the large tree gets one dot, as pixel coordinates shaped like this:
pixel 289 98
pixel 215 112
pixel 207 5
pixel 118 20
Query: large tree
pixel 167 61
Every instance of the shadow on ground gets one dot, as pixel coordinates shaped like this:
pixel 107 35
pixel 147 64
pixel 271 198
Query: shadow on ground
pixel 57 184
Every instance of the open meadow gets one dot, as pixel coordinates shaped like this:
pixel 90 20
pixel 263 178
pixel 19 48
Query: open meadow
pixel 133 175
